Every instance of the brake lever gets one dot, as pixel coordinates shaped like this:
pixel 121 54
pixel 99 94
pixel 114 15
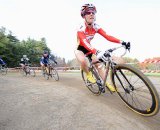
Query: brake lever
pixel 128 46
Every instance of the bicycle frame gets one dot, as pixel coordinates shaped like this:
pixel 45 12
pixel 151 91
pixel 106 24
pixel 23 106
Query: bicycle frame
pixel 51 71
pixel 132 86
pixel 47 68
pixel 109 65
pixel 27 70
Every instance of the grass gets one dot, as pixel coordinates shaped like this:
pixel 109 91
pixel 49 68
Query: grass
pixel 153 74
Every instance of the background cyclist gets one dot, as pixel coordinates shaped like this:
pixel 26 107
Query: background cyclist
pixel 2 63
pixel 45 59
pixel 85 34
pixel 24 61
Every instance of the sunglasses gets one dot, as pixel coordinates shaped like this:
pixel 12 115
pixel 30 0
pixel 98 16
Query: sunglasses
pixel 90 12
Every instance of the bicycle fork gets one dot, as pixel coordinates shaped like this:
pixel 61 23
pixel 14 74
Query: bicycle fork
pixel 130 87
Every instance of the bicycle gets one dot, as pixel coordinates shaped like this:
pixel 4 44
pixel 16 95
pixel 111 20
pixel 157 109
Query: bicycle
pixel 132 86
pixel 50 71
pixel 27 70
pixel 3 69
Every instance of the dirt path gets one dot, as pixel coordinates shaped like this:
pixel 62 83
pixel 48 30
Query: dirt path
pixel 28 103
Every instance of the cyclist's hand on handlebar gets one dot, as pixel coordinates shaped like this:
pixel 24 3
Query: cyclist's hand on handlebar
pixel 99 54
pixel 127 45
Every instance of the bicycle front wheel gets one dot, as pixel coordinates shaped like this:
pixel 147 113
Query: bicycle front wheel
pixel 4 70
pixel 45 74
pixel 23 72
pixel 135 90
pixel 94 88
pixel 32 72
pixel 54 74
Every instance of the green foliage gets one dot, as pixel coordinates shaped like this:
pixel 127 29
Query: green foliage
pixel 11 49
pixel 6 48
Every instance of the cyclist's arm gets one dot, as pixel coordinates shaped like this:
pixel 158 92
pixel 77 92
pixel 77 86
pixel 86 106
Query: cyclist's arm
pixel 55 61
pixel 52 59
pixel 84 42
pixel 21 61
pixel 2 62
pixel 108 37
pixel 29 61
pixel 42 60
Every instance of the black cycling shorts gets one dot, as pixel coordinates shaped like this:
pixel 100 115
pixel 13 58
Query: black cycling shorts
pixel 84 50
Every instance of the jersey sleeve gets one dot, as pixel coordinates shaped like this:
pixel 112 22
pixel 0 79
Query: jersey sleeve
pixel 41 59
pixel 2 62
pixel 108 37
pixel 84 42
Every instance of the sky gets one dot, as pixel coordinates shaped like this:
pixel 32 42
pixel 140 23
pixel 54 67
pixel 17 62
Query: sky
pixel 136 21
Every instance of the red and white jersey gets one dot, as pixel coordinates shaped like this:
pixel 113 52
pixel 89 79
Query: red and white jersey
pixel 86 34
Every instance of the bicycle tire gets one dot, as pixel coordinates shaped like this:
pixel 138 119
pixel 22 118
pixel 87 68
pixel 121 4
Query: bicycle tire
pixel 54 74
pixel 4 70
pixel 94 88
pixel 46 75
pixel 32 72
pixel 140 96
pixel 23 72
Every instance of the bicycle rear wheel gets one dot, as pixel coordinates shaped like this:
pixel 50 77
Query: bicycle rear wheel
pixel 94 88
pixel 54 74
pixel 135 90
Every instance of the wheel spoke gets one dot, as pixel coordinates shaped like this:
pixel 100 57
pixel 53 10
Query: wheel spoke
pixel 54 74
pixel 94 88
pixel 136 90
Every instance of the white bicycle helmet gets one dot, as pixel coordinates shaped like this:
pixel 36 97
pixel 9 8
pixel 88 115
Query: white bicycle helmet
pixel 87 7
pixel 24 56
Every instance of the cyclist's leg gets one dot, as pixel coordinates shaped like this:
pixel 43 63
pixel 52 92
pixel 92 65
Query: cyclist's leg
pixel 101 71
pixel 48 69
pixel 42 68
pixel 23 69
pixel 81 59
pixel 84 65
pixel 23 66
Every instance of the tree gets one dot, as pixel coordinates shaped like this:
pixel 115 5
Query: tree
pixel 6 47
pixel 12 49
pixel 73 63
